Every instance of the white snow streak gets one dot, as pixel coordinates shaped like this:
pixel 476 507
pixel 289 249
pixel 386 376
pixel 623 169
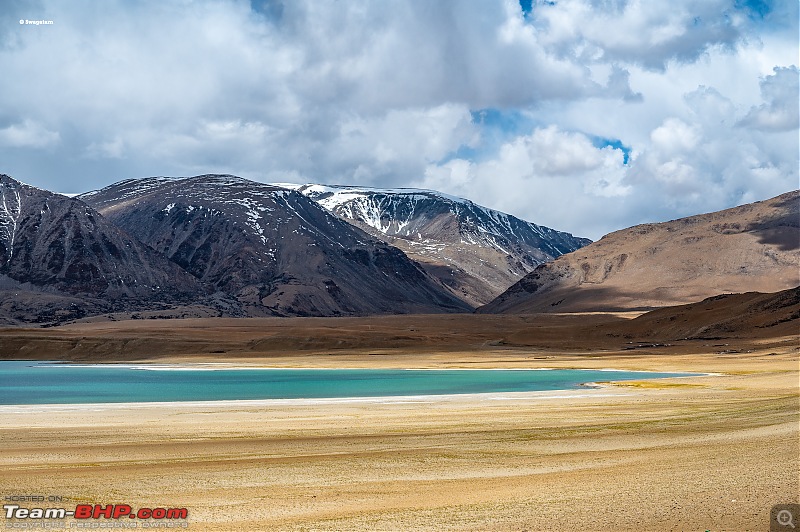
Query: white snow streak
pixel 9 217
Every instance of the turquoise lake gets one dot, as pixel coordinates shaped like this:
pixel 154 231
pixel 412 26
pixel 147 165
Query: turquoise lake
pixel 25 382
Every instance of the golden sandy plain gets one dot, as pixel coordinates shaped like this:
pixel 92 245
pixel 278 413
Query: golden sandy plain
pixel 700 453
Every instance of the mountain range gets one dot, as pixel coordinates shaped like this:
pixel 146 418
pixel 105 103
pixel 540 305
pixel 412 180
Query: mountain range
pixel 272 249
pixel 220 245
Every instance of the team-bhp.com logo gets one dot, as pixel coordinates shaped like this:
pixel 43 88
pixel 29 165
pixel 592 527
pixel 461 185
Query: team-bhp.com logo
pixel 155 516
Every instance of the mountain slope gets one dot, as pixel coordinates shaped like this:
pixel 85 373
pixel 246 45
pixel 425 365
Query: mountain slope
pixel 748 315
pixel 273 249
pixel 477 252
pixel 59 258
pixel 754 247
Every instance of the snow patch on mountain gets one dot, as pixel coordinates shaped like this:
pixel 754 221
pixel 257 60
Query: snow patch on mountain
pixel 407 212
pixel 482 250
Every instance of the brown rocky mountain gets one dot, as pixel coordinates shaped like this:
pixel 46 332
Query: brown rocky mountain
pixel 754 247
pixel 475 251
pixel 272 249
pixel 749 315
pixel 60 259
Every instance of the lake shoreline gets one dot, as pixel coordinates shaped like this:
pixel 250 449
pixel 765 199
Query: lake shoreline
pixel 709 452
pixel 51 383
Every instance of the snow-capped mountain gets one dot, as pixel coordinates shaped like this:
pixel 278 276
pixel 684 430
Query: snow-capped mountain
pixel 273 249
pixel 60 259
pixel 476 251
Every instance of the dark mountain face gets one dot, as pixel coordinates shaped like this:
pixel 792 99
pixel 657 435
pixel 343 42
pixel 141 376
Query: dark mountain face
pixel 273 249
pixel 55 245
pixel 754 247
pixel 477 252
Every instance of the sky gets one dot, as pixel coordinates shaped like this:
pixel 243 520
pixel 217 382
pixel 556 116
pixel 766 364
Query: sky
pixel 586 116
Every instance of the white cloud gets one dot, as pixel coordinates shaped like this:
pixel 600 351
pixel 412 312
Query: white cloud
pixel 403 141
pixel 383 93
pixel 540 177
pixel 28 134
pixel 701 160
pixel 650 34
pixel 781 110
pixel 674 138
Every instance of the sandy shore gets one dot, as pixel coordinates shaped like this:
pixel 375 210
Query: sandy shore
pixel 700 453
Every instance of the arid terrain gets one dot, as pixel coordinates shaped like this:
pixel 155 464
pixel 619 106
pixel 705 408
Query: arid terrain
pixel 701 453
pixel 405 265
pixel 750 247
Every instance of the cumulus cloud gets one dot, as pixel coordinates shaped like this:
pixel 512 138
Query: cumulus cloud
pixel 619 85
pixel 700 160
pixel 645 33
pixel 402 141
pixel 781 110
pixel 623 111
pixel 540 176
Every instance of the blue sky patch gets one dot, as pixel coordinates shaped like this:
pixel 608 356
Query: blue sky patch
pixel 601 142
pixel 497 126
pixel 511 121
pixel 755 8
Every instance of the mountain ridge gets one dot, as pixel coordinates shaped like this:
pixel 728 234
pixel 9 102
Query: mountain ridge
pixel 55 249
pixel 752 247
pixel 474 250
pixel 273 249
pixel 220 245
